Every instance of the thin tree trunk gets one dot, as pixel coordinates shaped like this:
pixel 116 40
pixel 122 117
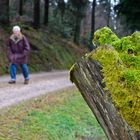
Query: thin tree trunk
pixel 77 31
pixel 87 76
pixel 77 28
pixel 36 23
pixel 21 7
pixel 93 19
pixel 4 11
pixel 46 12
pixel 108 12
pixel 92 24
pixel 61 6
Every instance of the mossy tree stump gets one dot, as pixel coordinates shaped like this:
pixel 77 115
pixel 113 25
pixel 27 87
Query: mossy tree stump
pixel 87 76
pixel 109 80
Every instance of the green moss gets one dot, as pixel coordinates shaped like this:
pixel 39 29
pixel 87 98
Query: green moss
pixel 131 42
pixel 104 36
pixel 121 71
pixel 131 77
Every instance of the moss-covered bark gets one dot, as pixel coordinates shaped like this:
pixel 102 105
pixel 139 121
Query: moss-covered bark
pixel 120 73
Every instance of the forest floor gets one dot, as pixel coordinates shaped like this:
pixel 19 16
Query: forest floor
pixel 41 83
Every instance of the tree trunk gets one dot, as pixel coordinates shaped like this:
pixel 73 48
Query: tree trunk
pixel 93 19
pixel 61 7
pixel 4 11
pixel 77 31
pixel 77 27
pixel 46 12
pixel 21 7
pixel 87 76
pixel 108 12
pixel 36 13
pixel 92 25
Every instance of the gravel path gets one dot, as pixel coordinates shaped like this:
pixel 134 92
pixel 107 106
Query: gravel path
pixel 41 83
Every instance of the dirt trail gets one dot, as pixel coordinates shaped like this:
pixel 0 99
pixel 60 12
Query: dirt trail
pixel 41 83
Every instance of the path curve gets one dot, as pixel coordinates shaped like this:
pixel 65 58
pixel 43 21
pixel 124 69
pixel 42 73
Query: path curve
pixel 40 84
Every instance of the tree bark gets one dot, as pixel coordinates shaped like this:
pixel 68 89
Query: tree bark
pixel 61 7
pixel 92 25
pixel 77 27
pixel 21 7
pixel 87 76
pixel 93 19
pixel 36 13
pixel 46 12
pixel 108 12
pixel 4 11
pixel 77 31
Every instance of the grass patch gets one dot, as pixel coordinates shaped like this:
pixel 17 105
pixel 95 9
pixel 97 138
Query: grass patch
pixel 61 116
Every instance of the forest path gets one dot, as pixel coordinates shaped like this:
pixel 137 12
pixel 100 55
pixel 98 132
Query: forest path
pixel 40 84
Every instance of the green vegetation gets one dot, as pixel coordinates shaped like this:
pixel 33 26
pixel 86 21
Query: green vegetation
pixel 49 50
pixel 61 116
pixel 104 36
pixel 121 69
